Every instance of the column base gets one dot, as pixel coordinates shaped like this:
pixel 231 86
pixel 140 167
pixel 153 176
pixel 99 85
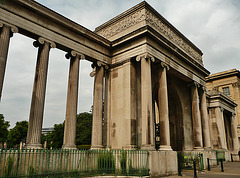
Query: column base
pixel 69 147
pixel 129 147
pixel 148 147
pixel 33 146
pixel 198 148
pixel 96 147
pixel 207 148
pixel 165 148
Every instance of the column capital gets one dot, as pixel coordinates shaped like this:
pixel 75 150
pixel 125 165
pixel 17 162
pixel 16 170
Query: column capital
pixel 145 56
pixel 233 114
pixel 194 84
pixel 204 88
pixel 74 53
pixel 42 40
pixel 99 64
pixel 221 108
pixel 165 65
pixel 13 28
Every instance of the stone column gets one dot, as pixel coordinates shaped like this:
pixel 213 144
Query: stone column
pixel 163 109
pixel 205 120
pixel 5 34
pixel 146 102
pixel 72 99
pixel 38 95
pixel 196 117
pixel 98 108
pixel 221 127
pixel 234 133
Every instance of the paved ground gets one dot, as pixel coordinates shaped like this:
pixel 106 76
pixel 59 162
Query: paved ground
pixel 231 170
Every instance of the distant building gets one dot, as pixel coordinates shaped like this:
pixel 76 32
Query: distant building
pixel 46 131
pixel 226 83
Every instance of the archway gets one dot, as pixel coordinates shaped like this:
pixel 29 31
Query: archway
pixel 227 125
pixel 175 118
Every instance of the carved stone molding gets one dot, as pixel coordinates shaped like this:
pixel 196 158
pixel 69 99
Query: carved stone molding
pixel 74 53
pixel 42 40
pixel 236 84
pixel 215 88
pixel 165 65
pixel 145 56
pixel 123 24
pixel 170 33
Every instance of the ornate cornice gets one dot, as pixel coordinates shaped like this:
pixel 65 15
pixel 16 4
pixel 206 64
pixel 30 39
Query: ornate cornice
pixel 157 22
pixel 171 35
pixel 123 24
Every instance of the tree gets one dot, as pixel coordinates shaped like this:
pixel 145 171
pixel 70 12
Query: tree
pixel 55 138
pixel 83 136
pixel 84 129
pixel 17 134
pixel 3 129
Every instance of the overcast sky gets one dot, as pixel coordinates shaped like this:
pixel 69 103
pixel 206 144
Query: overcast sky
pixel 212 25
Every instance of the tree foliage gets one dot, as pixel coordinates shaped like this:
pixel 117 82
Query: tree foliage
pixel 84 129
pixel 55 138
pixel 83 132
pixel 3 129
pixel 17 134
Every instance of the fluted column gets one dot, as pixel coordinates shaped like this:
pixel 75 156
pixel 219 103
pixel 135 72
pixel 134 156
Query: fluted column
pixel 97 128
pixel 72 99
pixel 5 34
pixel 38 95
pixel 163 109
pixel 234 133
pixel 197 126
pixel 146 101
pixel 221 127
pixel 205 120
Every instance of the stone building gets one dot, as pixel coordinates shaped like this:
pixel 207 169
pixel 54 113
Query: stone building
pixel 149 76
pixel 227 85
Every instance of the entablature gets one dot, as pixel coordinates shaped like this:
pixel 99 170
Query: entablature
pixel 144 15
pixel 34 20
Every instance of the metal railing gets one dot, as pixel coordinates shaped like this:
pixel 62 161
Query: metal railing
pixel 73 163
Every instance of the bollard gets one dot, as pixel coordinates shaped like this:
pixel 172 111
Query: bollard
pixel 179 168
pixel 195 170
pixel 208 162
pixel 221 160
pixel 231 157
